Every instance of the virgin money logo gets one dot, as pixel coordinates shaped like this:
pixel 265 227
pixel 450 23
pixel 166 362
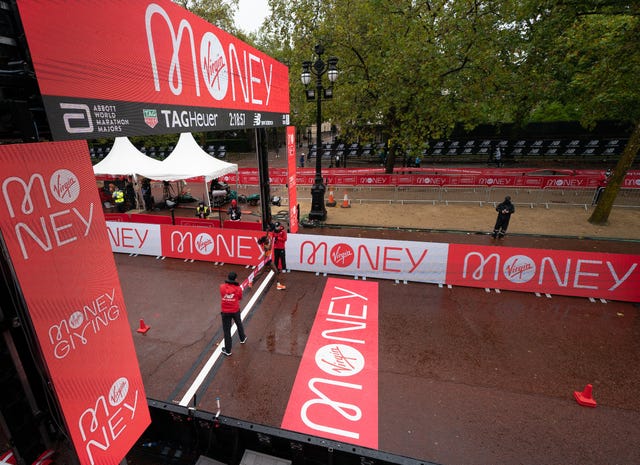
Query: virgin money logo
pixel 204 244
pixel 519 269
pixel 102 424
pixel 372 180
pixel 64 186
pixel 342 255
pixel 78 330
pixel 339 360
pixel 33 197
pixel 214 66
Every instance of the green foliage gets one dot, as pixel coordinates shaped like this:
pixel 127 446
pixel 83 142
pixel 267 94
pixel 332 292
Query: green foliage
pixel 218 12
pixel 583 56
pixel 416 68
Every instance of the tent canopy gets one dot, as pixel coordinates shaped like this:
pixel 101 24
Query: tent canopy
pixel 188 160
pixel 125 159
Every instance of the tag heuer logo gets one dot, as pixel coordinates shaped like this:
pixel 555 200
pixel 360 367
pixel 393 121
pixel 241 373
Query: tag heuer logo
pixel 150 117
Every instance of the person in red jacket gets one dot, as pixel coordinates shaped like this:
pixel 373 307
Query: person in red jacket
pixel 230 296
pixel 279 235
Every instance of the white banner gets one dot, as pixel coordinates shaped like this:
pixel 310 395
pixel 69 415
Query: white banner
pixel 385 259
pixel 138 238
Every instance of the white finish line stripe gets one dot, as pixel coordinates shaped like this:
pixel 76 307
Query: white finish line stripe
pixel 218 350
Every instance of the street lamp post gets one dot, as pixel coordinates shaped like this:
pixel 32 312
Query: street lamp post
pixel 319 68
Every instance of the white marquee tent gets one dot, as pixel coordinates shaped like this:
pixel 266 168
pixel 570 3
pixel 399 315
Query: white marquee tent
pixel 188 160
pixel 125 159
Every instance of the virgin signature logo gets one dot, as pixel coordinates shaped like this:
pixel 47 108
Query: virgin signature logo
pixel 342 255
pixel 64 186
pixel 519 269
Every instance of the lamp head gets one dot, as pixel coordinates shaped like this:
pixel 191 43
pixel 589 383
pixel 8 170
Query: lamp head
pixel 305 76
pixel 332 71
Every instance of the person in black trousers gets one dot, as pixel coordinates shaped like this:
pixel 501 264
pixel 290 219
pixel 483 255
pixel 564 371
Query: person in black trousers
pixel 230 296
pixel 505 210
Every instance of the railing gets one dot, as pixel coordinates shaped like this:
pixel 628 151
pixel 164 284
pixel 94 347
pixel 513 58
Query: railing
pixel 547 197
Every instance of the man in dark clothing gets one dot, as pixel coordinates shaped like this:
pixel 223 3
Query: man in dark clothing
pixel 498 157
pixel 146 195
pixel 505 210
pixel 130 193
pixel 230 296
pixel 234 213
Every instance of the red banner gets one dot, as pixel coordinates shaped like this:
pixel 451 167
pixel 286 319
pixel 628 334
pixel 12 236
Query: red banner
pixel 291 181
pixel 587 274
pixel 213 245
pixel 422 177
pixel 335 394
pixel 117 68
pixel 54 228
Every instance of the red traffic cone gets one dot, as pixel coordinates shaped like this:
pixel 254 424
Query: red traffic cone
pixel 332 201
pixel 584 398
pixel 346 203
pixel 143 327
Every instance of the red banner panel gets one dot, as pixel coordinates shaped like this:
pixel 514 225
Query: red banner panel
pixel 588 274
pixel 211 244
pixel 335 394
pixel 132 67
pixel 54 230
pixel 292 183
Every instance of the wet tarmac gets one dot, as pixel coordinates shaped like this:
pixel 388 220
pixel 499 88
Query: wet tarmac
pixel 465 376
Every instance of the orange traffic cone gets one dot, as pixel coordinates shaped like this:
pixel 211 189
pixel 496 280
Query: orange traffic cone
pixel 143 327
pixel 346 203
pixel 332 201
pixel 584 398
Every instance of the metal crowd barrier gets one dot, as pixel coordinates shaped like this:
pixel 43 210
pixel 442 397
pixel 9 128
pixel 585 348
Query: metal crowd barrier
pixel 547 197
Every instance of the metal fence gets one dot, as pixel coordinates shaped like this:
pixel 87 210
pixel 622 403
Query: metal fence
pixel 547 198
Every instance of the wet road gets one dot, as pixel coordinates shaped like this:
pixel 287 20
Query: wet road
pixel 465 376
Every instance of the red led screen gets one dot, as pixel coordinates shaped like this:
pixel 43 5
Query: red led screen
pixel 130 67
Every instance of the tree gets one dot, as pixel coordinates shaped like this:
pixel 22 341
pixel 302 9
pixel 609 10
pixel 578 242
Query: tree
pixel 585 55
pixel 414 69
pixel 218 12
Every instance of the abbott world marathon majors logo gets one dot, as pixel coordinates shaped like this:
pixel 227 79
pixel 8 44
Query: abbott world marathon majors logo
pixel 519 269
pixel 42 207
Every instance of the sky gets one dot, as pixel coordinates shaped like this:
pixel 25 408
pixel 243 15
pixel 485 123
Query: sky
pixel 250 14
